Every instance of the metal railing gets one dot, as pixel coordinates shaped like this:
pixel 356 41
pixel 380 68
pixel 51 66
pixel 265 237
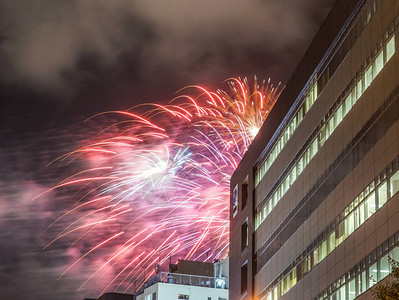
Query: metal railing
pixel 187 279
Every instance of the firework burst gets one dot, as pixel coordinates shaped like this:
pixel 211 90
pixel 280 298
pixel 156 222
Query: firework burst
pixel 156 185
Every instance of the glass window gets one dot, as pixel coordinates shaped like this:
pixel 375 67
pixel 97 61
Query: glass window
pixel 314 147
pixel 300 166
pixel 370 205
pixel 342 292
pixel 322 135
pixel 361 213
pixel 323 250
pixel 244 276
pixel 359 88
pixel 382 194
pixel 384 268
pixel 293 175
pixel 353 96
pixel 394 253
pixel 347 104
pixel 351 290
pixel 316 257
pixel 357 217
pixel 244 235
pixel 394 183
pixel 293 277
pixel 390 48
pixel 373 273
pixel 378 64
pixel 349 224
pixel 368 76
pixel 307 103
pixel 339 234
pixel 244 191
pixel 331 243
pixel 364 282
pixel 330 127
pixel 338 115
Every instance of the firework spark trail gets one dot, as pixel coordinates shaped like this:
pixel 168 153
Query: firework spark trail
pixel 160 174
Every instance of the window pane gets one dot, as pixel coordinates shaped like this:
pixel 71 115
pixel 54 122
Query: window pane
pixel 373 274
pixel 338 116
pixel 322 135
pixel 364 282
pixel 331 242
pixel 339 234
pixel 349 224
pixel 348 103
pixel 384 267
pixel 378 64
pixel 394 183
pixel 394 253
pixel 361 213
pixel 382 194
pixel 390 48
pixel 368 76
pixel 370 205
pixel 342 292
pixel 351 290
pixel 359 88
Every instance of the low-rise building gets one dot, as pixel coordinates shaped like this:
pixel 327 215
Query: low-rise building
pixel 188 280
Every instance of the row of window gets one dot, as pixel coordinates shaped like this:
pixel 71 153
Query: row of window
pixel 362 20
pixel 310 98
pixel 356 213
pixel 372 66
pixel 392 167
pixel 352 153
pixel 318 240
pixel 317 86
pixel 365 274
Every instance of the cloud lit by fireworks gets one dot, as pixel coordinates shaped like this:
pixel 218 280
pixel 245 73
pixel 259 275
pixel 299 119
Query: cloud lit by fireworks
pixel 154 187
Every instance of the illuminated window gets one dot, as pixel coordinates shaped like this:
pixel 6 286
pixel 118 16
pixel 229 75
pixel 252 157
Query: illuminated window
pixel 376 63
pixel 355 214
pixel 382 194
pixel 394 183
pixel 390 49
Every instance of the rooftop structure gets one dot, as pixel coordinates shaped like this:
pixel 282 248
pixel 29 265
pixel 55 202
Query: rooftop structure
pixel 188 280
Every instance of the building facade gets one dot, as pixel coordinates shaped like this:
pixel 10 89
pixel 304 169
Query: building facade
pixel 315 201
pixel 175 291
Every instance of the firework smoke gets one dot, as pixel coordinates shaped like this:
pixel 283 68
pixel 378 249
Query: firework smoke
pixel 155 186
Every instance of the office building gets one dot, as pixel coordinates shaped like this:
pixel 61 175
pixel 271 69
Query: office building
pixel 314 201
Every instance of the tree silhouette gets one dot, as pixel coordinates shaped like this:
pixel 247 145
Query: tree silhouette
pixel 390 288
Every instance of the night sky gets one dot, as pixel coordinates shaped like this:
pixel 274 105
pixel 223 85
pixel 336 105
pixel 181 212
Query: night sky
pixel 63 61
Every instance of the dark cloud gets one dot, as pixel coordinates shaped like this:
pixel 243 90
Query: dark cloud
pixel 102 54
